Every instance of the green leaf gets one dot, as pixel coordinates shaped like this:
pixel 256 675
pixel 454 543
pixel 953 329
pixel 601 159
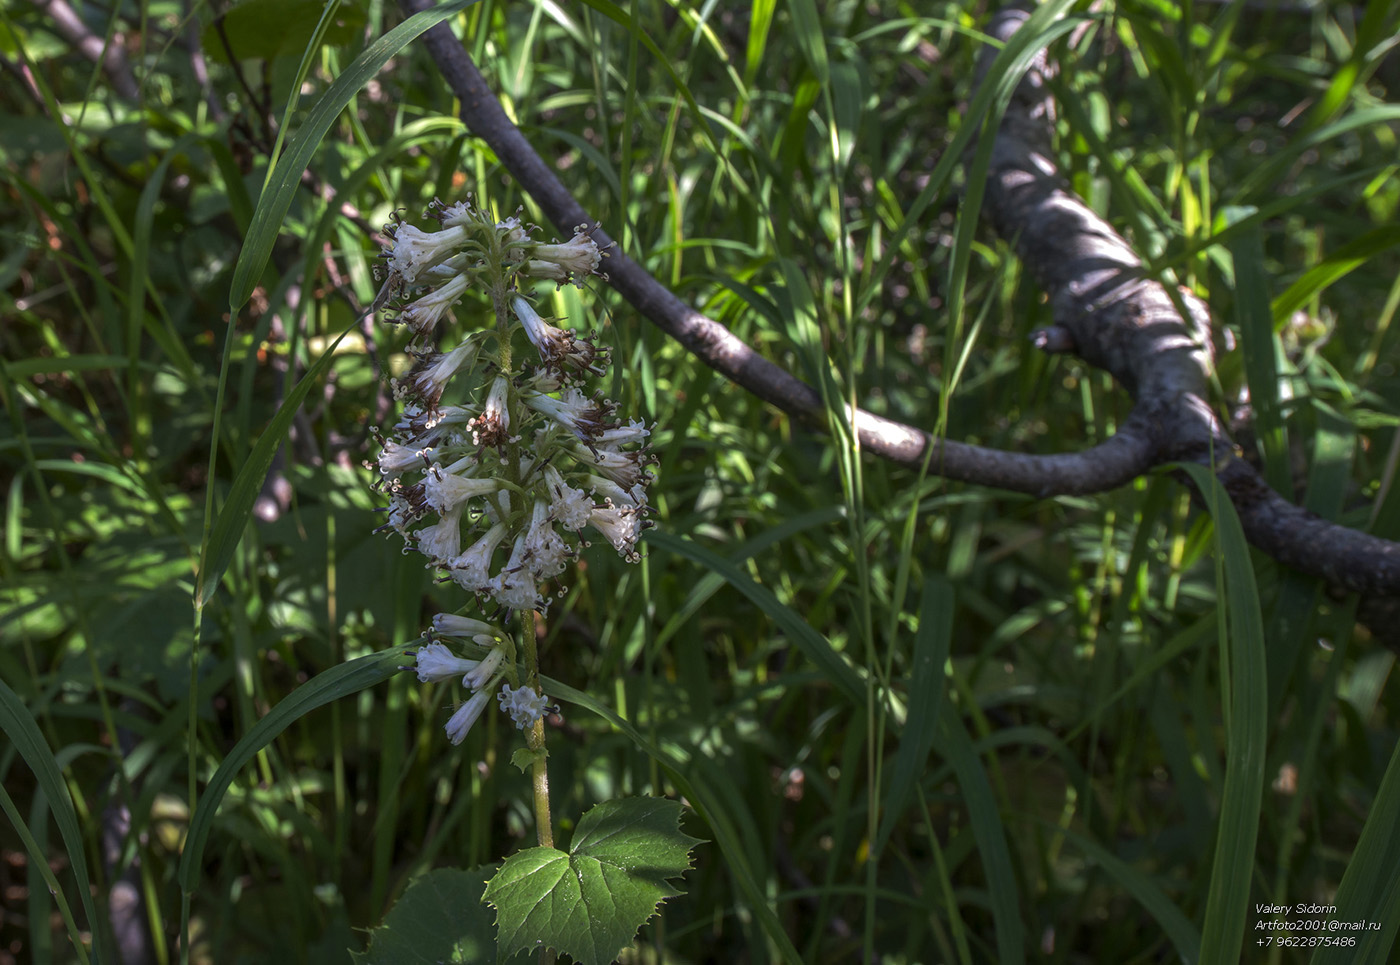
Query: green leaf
pixel 439 919
pixel 589 903
pixel 264 29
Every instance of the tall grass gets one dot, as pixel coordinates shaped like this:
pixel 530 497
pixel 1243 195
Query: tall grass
pixel 917 721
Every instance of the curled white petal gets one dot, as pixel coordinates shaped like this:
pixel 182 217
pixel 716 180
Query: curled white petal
pixel 524 705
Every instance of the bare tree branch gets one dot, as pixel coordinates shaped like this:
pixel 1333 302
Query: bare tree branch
pixel 1106 309
pixel 1108 466
pixel 111 56
pixel 1130 325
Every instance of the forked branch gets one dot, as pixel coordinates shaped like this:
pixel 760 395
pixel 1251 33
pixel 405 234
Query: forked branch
pixel 1107 311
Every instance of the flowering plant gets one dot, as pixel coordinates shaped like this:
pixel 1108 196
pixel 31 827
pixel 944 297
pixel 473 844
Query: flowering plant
pixel 497 470
pixel 496 489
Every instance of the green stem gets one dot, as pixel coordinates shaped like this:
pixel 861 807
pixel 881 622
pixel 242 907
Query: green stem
pixel 534 738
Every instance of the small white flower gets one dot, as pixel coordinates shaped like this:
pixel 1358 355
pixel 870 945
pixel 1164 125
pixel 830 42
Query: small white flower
pixel 581 415
pixel 623 468
pixel 426 380
pixel 461 722
pixel 486 668
pixel 515 585
pixel 442 541
pixel 608 490
pixel 423 314
pixel 492 427
pixel 546 552
pixel 402 514
pixel 472 569
pixel 634 431
pixel 547 270
pixel 446 491
pixel 557 347
pixel 621 526
pixel 579 256
pixel 570 506
pixel 522 703
pixel 511 231
pixel 452 625
pixel 415 250
pixel 396 458
pixel 436 662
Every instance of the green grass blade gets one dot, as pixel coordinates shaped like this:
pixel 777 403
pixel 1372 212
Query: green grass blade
pixel 19 727
pixel 812 644
pixel 931 644
pixel 1370 888
pixel 233 518
pixel 285 179
pixel 1243 652
pixel 990 834
pixel 1343 261
pixel 341 681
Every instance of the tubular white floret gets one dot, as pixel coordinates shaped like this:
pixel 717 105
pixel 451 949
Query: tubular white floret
pixel 621 526
pixel 436 662
pixel 445 491
pixel 623 468
pixel 515 585
pixel 570 506
pixel 416 250
pixel 461 722
pixel 471 570
pixel 579 256
pixel 545 550
pixel 425 381
pixel 442 541
pixel 486 668
pixel 452 625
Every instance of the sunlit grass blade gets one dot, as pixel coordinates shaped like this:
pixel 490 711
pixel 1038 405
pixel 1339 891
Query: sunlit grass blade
pixel 1246 729
pixel 1343 261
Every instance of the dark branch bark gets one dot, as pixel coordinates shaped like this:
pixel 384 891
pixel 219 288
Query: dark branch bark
pixel 1156 343
pixel 1129 325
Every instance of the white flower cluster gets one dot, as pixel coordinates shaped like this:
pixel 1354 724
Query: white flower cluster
pixel 492 488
